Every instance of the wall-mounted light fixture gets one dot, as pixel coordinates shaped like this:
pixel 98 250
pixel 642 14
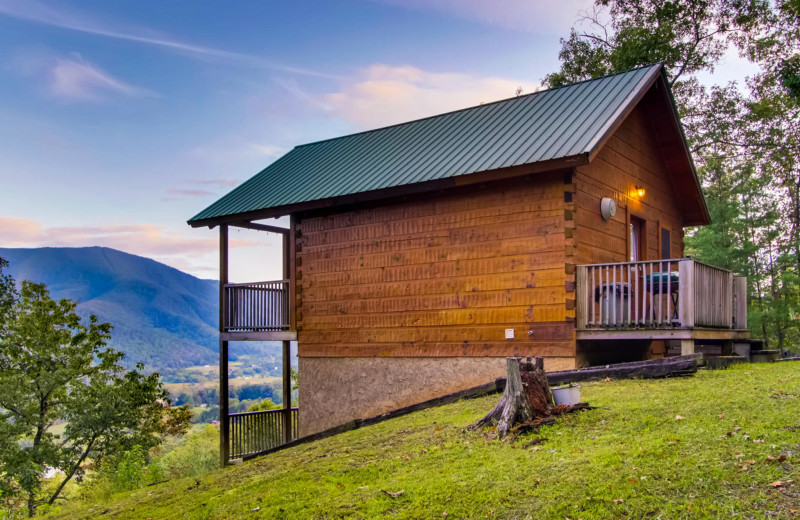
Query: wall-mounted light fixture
pixel 639 191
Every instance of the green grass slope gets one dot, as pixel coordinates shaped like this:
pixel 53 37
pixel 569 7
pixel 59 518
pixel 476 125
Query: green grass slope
pixel 699 447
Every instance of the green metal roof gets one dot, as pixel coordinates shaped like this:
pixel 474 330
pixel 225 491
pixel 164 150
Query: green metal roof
pixel 551 124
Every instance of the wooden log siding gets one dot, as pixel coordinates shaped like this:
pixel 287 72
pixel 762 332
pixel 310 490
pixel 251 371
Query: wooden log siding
pixel 257 306
pixel 438 276
pixel 630 158
pixel 252 433
pixel 647 295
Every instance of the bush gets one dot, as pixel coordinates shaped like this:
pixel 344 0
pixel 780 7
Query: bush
pixel 131 470
pixel 194 454
pixel 264 405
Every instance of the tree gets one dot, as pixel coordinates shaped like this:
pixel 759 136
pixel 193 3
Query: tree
pixel 55 368
pixel 526 397
pixel 745 138
pixel 264 405
pixel 8 296
pixel 687 36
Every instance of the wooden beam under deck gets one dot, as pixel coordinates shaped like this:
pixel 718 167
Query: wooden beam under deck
pixel 641 334
pixel 269 335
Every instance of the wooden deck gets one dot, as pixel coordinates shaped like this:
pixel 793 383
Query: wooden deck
pixel 662 299
pixel 257 311
pixel 696 334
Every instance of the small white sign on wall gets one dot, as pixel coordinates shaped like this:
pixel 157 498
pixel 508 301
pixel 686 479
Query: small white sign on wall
pixel 509 333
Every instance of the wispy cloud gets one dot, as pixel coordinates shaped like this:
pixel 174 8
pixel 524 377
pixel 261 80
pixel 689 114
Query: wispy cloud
pixel 18 230
pixel 292 87
pixel 211 187
pixel 519 15
pixel 217 182
pixel 189 193
pixel 194 251
pixel 74 80
pixel 142 239
pixel 269 150
pixel 38 12
pixel 385 94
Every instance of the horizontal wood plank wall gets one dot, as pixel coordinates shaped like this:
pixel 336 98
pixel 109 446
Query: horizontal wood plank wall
pixel 630 158
pixel 442 277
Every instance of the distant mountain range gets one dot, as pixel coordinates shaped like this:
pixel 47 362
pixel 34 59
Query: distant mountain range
pixel 162 317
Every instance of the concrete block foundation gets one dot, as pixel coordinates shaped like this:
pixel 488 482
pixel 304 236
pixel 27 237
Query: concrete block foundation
pixel 334 391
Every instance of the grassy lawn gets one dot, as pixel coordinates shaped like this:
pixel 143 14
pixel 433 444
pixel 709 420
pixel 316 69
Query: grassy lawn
pixel 698 447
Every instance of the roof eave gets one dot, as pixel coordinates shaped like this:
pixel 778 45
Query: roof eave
pixel 397 191
pixel 626 108
pixel 706 215
pixel 616 120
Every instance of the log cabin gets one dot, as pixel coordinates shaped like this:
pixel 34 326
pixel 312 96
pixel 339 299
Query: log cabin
pixel 420 255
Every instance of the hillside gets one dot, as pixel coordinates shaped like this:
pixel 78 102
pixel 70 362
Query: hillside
pixel 711 446
pixel 162 317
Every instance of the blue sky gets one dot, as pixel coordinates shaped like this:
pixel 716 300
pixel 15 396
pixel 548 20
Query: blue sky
pixel 120 120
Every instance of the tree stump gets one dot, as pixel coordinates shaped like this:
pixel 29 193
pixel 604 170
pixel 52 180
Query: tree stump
pixel 526 397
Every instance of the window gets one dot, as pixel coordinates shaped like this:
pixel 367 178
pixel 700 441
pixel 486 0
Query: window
pixel 665 243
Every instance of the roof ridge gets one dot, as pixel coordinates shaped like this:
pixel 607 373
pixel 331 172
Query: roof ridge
pixel 657 64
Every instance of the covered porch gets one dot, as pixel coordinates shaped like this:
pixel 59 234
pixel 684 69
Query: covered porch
pixel 256 311
pixel 676 299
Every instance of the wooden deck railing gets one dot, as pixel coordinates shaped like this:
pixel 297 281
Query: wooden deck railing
pixel 680 293
pixel 713 296
pixel 252 433
pixel 256 306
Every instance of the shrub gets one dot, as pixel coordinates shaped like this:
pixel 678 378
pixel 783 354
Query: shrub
pixel 194 454
pixel 264 405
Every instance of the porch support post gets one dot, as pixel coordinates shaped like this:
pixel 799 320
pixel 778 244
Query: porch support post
pixel 739 302
pixel 290 267
pixel 224 423
pixel 287 360
pixel 686 293
pixel 582 295
pixel 287 393
pixel 687 347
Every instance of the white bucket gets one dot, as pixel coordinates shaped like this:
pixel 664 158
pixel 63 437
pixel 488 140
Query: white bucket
pixel 569 395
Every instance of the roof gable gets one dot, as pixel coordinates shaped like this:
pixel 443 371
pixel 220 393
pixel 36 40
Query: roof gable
pixel 569 122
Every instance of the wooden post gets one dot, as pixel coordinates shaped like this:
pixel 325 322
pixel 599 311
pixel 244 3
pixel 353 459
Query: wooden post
pixel 686 294
pixel 739 302
pixel 582 295
pixel 291 266
pixel 727 303
pixel 286 243
pixel 224 423
pixel 287 392
pixel 687 347
pixel 288 274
